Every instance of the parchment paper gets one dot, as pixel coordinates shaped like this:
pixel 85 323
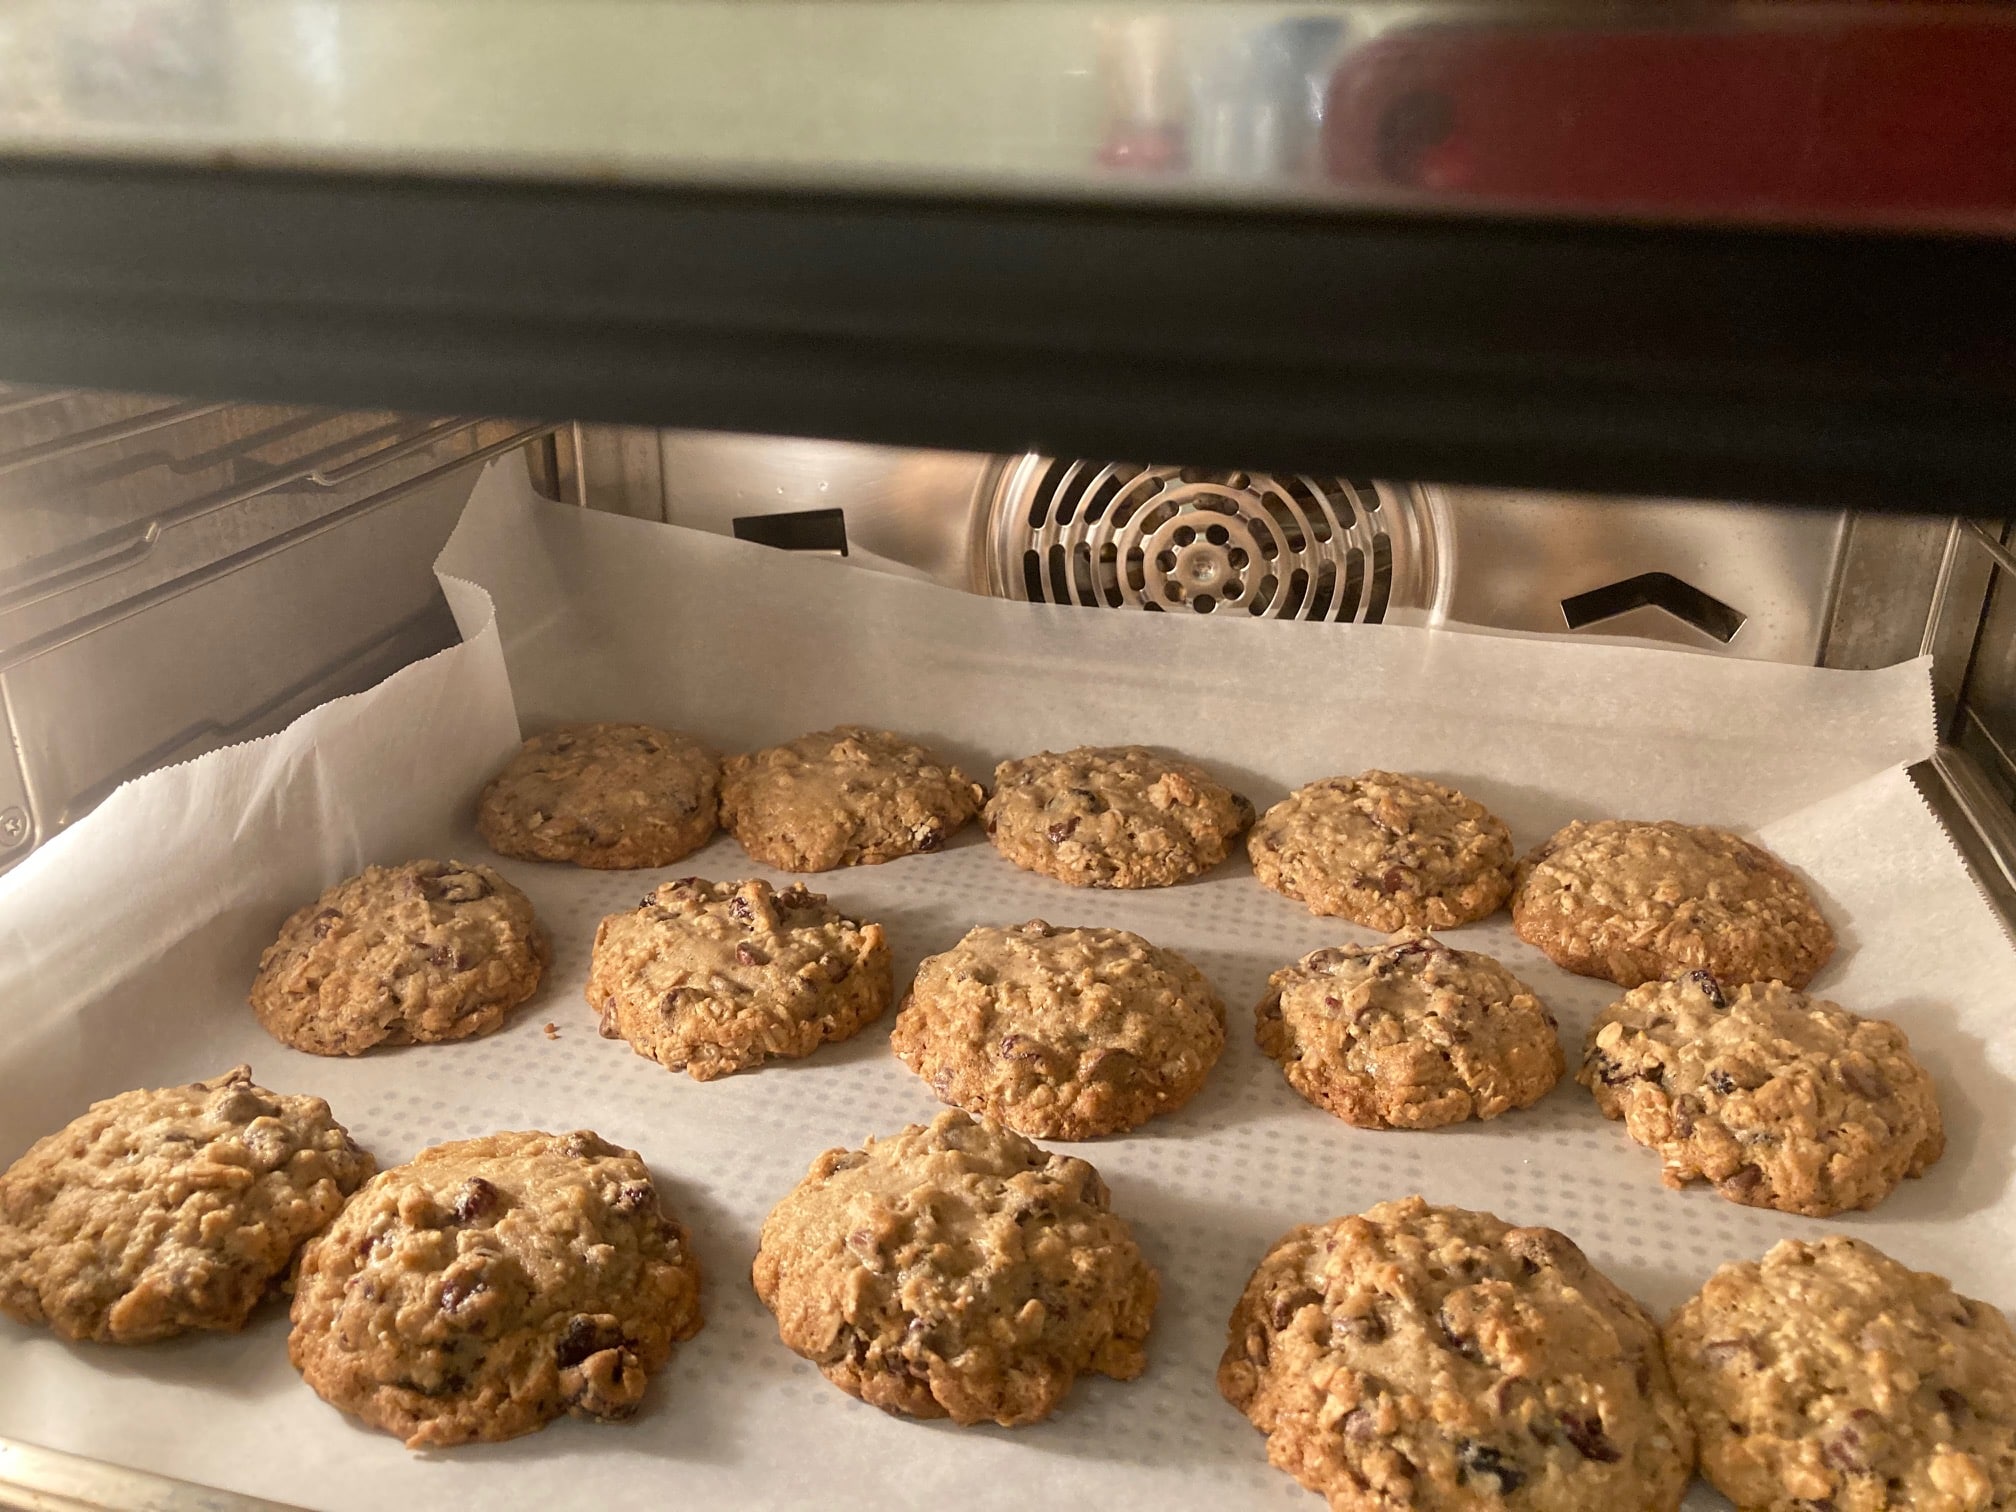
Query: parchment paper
pixel 127 944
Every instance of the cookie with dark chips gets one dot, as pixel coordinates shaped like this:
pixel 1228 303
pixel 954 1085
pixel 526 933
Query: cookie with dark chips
pixel 161 1211
pixel 1445 1361
pixel 1640 902
pixel 1778 1099
pixel 422 953
pixel 488 1286
pixel 609 796
pixel 956 1271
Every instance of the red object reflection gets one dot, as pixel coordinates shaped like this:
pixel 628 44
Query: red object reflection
pixel 1860 122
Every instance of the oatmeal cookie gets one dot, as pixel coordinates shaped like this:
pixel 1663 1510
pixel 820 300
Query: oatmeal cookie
pixel 1061 1033
pixel 1828 1375
pixel 849 796
pixel 491 1285
pixel 1385 850
pixel 1409 1034
pixel 1781 1100
pixel 400 955
pixel 715 977
pixel 1113 816
pixel 1444 1361
pixel 956 1271
pixel 610 796
pixel 1637 902
pixel 161 1211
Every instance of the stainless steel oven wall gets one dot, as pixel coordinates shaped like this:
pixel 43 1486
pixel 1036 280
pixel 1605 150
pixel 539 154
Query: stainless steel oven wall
pixel 177 576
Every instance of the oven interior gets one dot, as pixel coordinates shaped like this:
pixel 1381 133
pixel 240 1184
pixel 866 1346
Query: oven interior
pixel 177 576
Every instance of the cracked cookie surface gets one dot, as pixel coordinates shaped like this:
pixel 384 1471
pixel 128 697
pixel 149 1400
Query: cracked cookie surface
pixel 1442 1360
pixel 849 796
pixel 1113 816
pixel 169 1209
pixel 956 1271
pixel 1061 1033
pixel 1639 902
pixel 1386 850
pixel 715 977
pixel 422 953
pixel 1408 1035
pixel 1829 1375
pixel 609 796
pixel 1777 1099
pixel 490 1285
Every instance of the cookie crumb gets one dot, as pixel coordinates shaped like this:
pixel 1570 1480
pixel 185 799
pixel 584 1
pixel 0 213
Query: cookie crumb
pixel 551 1031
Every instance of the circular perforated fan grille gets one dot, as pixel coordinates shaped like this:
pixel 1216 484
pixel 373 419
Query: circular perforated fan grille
pixel 1205 541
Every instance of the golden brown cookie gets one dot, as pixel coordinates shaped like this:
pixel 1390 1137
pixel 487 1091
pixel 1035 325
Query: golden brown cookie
pixel 1637 902
pixel 956 1271
pixel 1781 1100
pixel 1828 1375
pixel 1113 816
pixel 400 955
pixel 1061 1033
pixel 1385 850
pixel 1409 1034
pixel 161 1211
pixel 490 1285
pixel 715 977
pixel 849 796
pixel 609 796
pixel 1443 1361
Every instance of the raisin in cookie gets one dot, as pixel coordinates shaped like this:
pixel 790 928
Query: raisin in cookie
pixel 956 1271
pixel 162 1211
pixel 492 1284
pixel 1113 816
pixel 1829 1376
pixel 1385 850
pixel 400 955
pixel 1061 1033
pixel 849 796
pixel 610 796
pixel 1440 1360
pixel 1409 1034
pixel 715 977
pixel 1637 902
pixel 1781 1100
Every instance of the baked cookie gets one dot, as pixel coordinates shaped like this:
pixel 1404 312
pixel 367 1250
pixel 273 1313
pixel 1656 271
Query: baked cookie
pixel 1409 1034
pixel 1781 1100
pixel 1385 850
pixel 714 977
pixel 1638 902
pixel 610 796
pixel 849 796
pixel 1443 1361
pixel 161 1211
pixel 400 955
pixel 1829 1376
pixel 1061 1033
pixel 1113 816
pixel 492 1284
pixel 956 1271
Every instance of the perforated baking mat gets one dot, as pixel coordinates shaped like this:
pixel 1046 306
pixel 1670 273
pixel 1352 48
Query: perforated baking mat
pixel 126 946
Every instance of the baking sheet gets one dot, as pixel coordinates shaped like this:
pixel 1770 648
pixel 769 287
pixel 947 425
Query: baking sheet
pixel 126 946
